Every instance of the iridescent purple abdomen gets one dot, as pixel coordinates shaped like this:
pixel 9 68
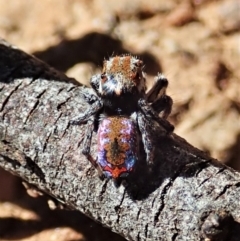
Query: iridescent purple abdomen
pixel 117 146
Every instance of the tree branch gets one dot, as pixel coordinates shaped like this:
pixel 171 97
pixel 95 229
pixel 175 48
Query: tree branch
pixel 190 196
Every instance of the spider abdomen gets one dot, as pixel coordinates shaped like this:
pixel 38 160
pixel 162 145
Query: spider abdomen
pixel 117 146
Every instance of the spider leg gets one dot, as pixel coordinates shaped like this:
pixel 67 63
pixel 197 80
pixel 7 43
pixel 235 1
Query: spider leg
pixel 163 105
pixel 88 136
pixel 158 89
pixel 160 102
pixel 89 95
pixel 87 145
pixel 89 116
pixel 95 107
pixel 151 114
pixel 148 144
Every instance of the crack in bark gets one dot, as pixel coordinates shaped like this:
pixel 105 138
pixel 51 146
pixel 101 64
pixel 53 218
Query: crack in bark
pixel 202 166
pixel 72 88
pixel 80 142
pixel 174 236
pixel 2 88
pixel 63 103
pixel 31 82
pixel 138 236
pixel 60 115
pixel 139 212
pixel 223 191
pixel 163 193
pixel 61 159
pixel 103 190
pixel 35 106
pixel 4 103
pixel 31 111
pixel 226 188
pixel 218 172
pixel 221 170
pixel 39 96
pixel 205 180
pixel 146 230
pixel 153 201
pixel 118 207
pixel 65 130
pixel 51 132
pixel 48 137
pixel 60 90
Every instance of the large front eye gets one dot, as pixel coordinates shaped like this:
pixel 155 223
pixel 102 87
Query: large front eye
pixel 103 77
pixel 139 64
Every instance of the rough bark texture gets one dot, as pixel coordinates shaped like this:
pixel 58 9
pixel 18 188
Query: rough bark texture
pixel 190 196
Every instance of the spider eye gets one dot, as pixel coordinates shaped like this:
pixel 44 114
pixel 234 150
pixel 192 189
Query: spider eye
pixel 139 64
pixel 103 77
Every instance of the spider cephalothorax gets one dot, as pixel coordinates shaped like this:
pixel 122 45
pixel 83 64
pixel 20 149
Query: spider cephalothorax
pixel 120 75
pixel 126 114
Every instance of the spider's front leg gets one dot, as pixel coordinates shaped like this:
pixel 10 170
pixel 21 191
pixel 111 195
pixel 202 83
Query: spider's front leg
pixel 89 116
pixel 95 107
pixel 151 114
pixel 87 146
pixel 144 127
pixel 160 102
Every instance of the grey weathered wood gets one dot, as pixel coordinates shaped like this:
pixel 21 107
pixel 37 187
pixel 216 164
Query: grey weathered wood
pixel 188 188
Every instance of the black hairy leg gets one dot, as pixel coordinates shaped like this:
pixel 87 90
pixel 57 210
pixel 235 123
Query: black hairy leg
pixel 95 107
pixel 160 102
pixel 151 114
pixel 88 136
pixel 148 144
pixel 89 117
pixel 163 106
pixel 158 89
pixel 87 145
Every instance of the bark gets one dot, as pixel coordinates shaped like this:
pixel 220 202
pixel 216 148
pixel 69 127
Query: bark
pixel 188 196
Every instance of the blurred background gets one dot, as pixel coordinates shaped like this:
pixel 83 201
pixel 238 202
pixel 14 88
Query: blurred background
pixel 195 43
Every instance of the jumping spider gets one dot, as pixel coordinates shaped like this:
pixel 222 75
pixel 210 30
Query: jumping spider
pixel 123 109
